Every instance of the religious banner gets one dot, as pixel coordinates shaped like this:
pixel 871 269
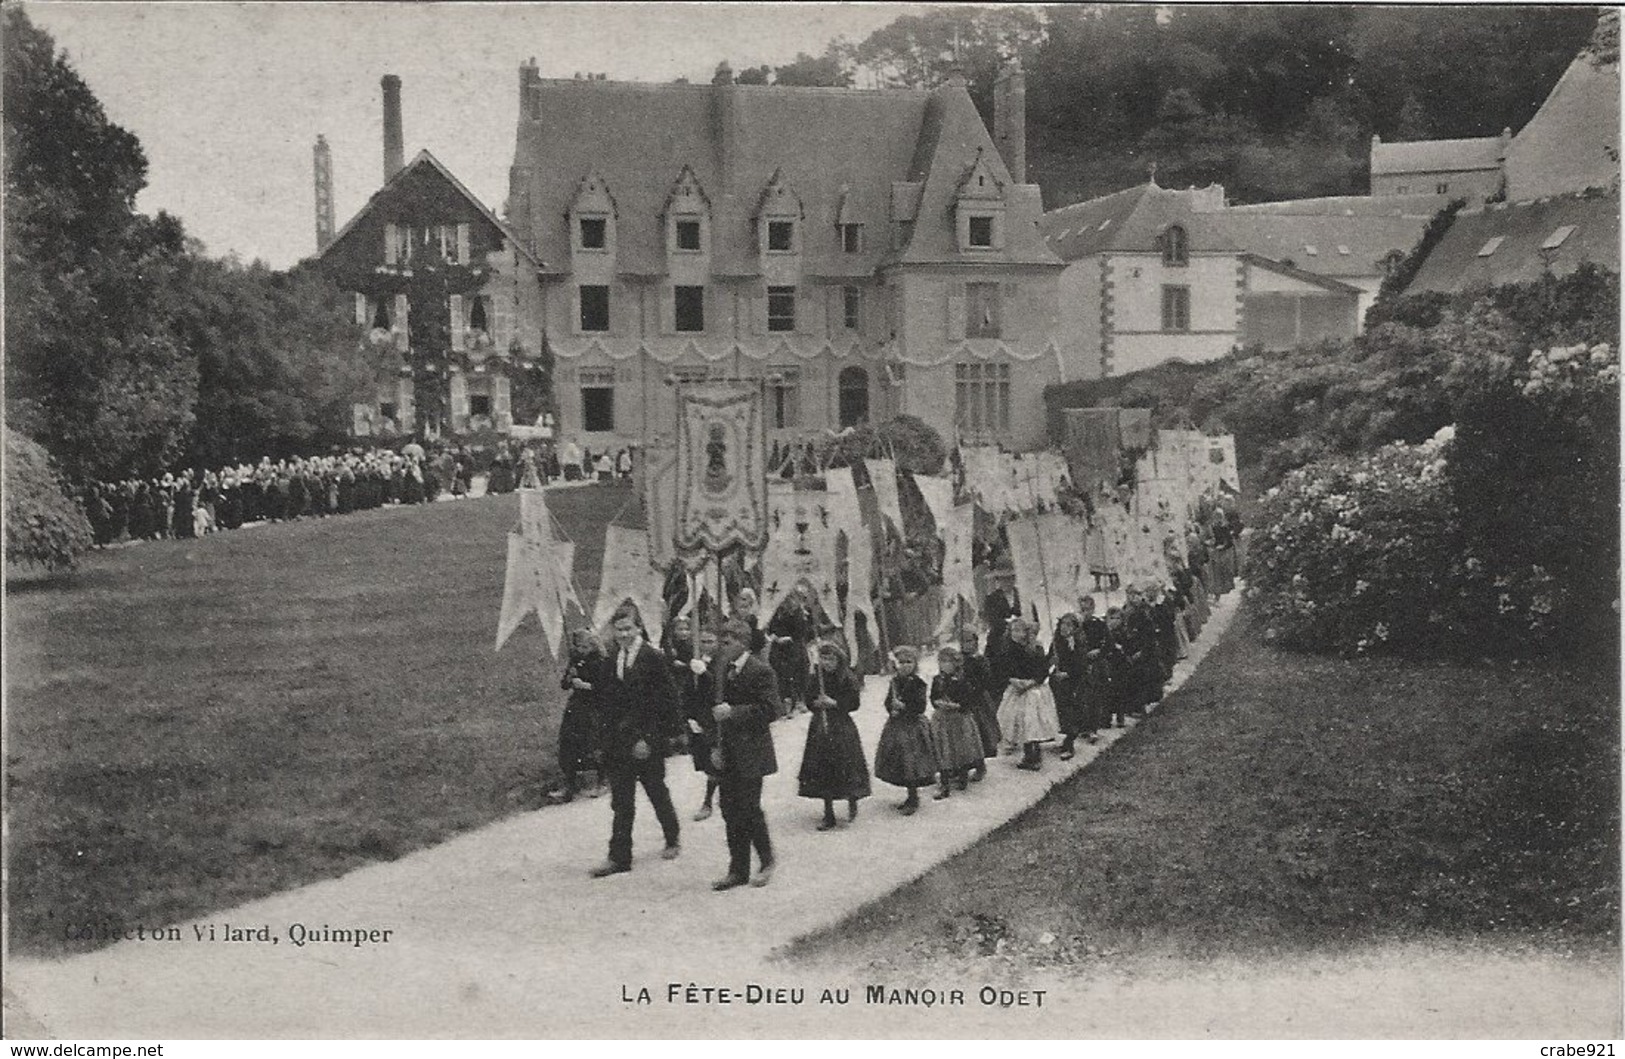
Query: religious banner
pixel 627 575
pixel 1032 572
pixel 959 593
pixel 938 494
pixel 660 507
pixel 1093 447
pixel 800 546
pixel 1134 427
pixel 883 473
pixel 539 574
pixel 846 517
pixel 721 473
pixel 1062 537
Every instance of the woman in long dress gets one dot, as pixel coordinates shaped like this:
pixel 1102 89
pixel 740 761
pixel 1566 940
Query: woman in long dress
pixel 833 766
pixel 1027 712
pixel 578 731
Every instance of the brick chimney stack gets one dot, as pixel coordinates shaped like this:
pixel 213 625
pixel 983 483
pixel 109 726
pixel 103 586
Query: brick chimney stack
pixel 1010 118
pixel 394 142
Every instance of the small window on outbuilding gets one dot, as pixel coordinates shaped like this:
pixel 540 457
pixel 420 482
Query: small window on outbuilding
pixel 1491 245
pixel 1555 240
pixel 1175 247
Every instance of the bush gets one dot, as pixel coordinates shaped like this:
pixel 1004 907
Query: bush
pixel 1498 537
pixel 911 441
pixel 44 527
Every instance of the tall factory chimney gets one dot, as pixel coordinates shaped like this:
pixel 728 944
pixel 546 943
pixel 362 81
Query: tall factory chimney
pixel 324 193
pixel 394 143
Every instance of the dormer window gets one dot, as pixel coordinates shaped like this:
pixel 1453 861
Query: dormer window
pixel 592 217
pixel 1175 247
pixel 687 215
pixel 778 218
pixel 981 232
pixel 688 233
pixel 852 238
pixel 594 233
pixel 979 207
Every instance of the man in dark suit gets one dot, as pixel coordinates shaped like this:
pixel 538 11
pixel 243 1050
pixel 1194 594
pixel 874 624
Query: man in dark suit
pixel 1001 605
pixel 747 702
pixel 639 712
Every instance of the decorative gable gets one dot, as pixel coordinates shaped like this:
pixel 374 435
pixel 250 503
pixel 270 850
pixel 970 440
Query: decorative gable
pixel 592 216
pixel 779 217
pixel 979 207
pixel 687 215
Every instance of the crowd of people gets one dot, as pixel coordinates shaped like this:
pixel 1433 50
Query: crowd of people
pixel 192 503
pixel 1008 692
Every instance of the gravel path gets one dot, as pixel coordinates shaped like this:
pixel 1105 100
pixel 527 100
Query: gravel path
pixel 500 933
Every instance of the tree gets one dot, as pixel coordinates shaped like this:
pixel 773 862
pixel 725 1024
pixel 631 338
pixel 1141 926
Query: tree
pixel 93 373
pixel 824 71
pixel 44 528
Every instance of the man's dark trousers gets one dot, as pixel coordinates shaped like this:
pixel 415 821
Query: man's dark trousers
pixel 746 826
pixel 624 778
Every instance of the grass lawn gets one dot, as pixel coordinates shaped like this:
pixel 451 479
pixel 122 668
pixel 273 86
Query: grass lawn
pixel 191 724
pixel 1283 802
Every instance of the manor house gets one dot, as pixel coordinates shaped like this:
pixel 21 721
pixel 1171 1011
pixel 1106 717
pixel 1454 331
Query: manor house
pixel 861 253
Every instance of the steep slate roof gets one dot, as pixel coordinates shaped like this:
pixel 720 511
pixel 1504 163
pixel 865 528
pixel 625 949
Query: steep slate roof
pixel 1436 156
pixel 423 157
pixel 829 144
pixel 1315 278
pixel 1565 147
pixel 1132 220
pixel 1455 265
pixel 1288 238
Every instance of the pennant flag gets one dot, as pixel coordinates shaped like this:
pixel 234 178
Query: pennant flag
pixel 958 577
pixel 627 574
pixel 938 494
pixel 846 517
pixel 660 509
pixel 539 576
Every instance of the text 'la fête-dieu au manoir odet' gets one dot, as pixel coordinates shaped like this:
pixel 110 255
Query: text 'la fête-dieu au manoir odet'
pixel 690 993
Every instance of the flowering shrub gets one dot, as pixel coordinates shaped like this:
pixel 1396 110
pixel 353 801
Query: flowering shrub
pixel 44 528
pixel 1497 538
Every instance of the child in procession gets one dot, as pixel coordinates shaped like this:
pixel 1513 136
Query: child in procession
pixel 906 756
pixel 953 724
pixel 833 765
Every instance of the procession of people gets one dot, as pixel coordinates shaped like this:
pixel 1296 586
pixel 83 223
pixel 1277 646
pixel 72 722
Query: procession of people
pixel 714 686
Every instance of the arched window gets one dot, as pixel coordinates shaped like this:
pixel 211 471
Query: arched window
pixel 1175 247
pixel 854 396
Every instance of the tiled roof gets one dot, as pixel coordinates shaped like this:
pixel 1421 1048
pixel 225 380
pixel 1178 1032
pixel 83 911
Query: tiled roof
pixel 831 145
pixel 1436 156
pixel 1344 245
pixel 1458 263
pixel 1133 219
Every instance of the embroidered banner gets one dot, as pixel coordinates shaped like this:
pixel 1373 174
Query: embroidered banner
pixel 628 575
pixel 1062 537
pixel 1092 447
pixel 847 518
pixel 721 468
pixel 1027 556
pixel 800 546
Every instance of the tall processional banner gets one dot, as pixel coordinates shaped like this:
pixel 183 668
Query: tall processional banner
pixel 538 578
pixel 1031 569
pixel 846 517
pixel 959 594
pixel 628 575
pixel 721 477
pixel 883 473
pixel 800 546
pixel 660 507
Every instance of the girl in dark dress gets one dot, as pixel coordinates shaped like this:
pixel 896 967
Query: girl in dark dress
pixel 1120 673
pixel 906 756
pixel 833 765
pixel 983 706
pixel 578 732
pixel 1066 655
pixel 953 724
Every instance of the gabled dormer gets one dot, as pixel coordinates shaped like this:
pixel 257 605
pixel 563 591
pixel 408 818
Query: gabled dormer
pixel 979 207
pixel 779 218
pixel 592 218
pixel 687 216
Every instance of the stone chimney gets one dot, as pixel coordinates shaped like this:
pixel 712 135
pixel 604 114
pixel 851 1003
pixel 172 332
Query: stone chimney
pixel 1010 118
pixel 530 91
pixel 394 143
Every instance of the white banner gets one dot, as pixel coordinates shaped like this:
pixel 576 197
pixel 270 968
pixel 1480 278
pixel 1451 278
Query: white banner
pixel 847 517
pixel 628 575
pixel 1064 562
pixel 958 577
pixel 660 508
pixel 938 494
pixel 800 546
pixel 883 473
pixel 1027 556
pixel 537 581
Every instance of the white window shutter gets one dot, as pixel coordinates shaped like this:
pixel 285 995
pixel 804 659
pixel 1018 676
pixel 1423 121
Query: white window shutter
pixel 361 317
pixel 391 244
pixel 398 322
pixel 462 244
pixel 499 318
pixel 668 309
pixel 458 334
pixel 807 316
pixel 501 401
pixel 459 401
pixel 956 311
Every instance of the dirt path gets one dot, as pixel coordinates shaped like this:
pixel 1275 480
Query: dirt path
pixel 500 933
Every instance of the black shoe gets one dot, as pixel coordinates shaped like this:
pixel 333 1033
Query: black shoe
pixel 961 783
pixel 979 775
pixel 728 882
pixel 609 867
pixel 827 824
pixel 940 795
pixel 1030 766
pixel 909 808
